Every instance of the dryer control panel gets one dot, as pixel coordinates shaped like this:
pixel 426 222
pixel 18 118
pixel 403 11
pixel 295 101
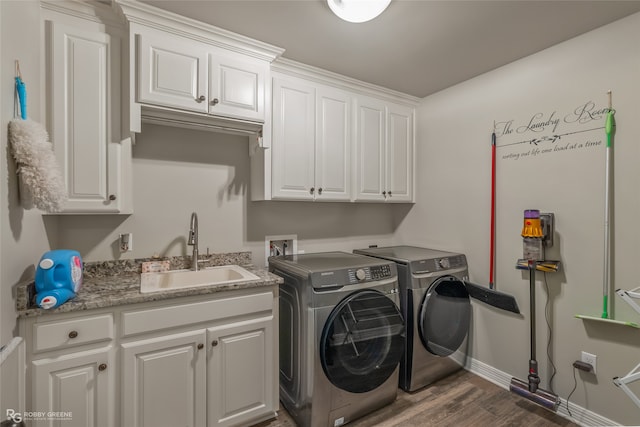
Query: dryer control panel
pixel 439 264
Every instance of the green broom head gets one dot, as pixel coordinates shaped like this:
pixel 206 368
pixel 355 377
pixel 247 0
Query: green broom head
pixel 609 126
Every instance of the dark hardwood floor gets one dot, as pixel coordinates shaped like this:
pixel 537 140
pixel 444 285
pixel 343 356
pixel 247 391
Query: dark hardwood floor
pixel 462 399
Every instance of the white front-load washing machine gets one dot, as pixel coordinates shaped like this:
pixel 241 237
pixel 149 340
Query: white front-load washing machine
pixel 342 336
pixel 436 307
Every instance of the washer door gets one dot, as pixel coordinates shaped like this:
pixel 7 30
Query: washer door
pixel 444 316
pixel 362 341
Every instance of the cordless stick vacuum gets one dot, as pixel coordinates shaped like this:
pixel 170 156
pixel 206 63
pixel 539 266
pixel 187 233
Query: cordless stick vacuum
pixel 532 234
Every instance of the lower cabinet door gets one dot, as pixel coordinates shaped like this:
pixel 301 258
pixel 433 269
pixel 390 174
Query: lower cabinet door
pixel 242 385
pixel 164 381
pixel 75 390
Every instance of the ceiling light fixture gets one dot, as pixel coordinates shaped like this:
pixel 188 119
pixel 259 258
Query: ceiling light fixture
pixel 357 11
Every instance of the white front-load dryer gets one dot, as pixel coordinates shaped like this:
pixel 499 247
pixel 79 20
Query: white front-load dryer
pixel 342 336
pixel 437 310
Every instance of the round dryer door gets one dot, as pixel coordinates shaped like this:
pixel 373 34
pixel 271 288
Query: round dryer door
pixel 444 316
pixel 362 341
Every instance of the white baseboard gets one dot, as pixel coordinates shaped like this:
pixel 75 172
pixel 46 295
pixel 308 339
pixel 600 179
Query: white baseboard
pixel 579 415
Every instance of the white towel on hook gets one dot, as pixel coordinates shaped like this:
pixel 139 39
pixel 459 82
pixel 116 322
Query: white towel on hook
pixel 37 165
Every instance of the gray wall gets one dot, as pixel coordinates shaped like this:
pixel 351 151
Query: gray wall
pixel 453 205
pixel 178 171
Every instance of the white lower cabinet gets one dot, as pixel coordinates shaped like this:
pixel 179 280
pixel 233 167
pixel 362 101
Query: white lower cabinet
pixel 210 360
pixel 163 382
pixel 239 380
pixel 79 388
pixel 221 373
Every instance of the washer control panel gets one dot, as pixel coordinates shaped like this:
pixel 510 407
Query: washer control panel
pixel 355 275
pixel 443 263
pixel 376 272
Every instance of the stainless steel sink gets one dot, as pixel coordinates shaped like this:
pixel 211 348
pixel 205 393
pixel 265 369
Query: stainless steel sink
pixel 183 279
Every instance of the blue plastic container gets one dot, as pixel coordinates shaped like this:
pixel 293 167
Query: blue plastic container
pixel 58 277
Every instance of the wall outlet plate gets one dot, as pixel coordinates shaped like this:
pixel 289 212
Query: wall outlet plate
pixel 547 221
pixel 125 242
pixel 590 359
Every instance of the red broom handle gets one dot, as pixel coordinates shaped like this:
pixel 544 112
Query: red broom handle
pixel 493 208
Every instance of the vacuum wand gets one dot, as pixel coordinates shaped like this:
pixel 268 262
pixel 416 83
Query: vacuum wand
pixel 532 248
pixel 534 379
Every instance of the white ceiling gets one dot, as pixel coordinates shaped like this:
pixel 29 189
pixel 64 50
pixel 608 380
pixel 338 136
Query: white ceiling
pixel 416 46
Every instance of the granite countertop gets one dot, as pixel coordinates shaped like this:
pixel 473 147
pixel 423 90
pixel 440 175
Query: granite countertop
pixel 116 283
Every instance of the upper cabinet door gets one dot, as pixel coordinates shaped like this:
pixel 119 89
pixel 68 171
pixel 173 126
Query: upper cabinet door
pixel 83 78
pixel 237 86
pixel 333 144
pixel 399 158
pixel 172 71
pixel 292 148
pixel 370 149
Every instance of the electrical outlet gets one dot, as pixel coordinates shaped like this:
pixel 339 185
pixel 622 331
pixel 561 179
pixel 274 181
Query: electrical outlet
pixel 590 359
pixel 125 242
pixel 547 221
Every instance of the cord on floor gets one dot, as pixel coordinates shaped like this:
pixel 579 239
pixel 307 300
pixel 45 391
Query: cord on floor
pixel 575 385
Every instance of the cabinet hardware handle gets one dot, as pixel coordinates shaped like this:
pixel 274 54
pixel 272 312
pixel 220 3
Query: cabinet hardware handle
pixel 200 346
pixel 384 193
pixel 215 101
pixel 320 191
pixel 214 343
pixel 311 190
pixel 200 99
pixel 112 197
pixel 389 193
pixel 102 367
pixel 73 334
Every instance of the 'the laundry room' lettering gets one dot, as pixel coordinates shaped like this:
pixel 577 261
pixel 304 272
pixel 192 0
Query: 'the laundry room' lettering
pixel 552 132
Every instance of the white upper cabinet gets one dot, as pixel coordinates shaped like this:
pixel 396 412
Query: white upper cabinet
pixel 83 71
pixel 190 74
pixel 293 139
pixel 311 142
pixel 384 151
pixel 333 144
pixel 237 86
pixel 370 149
pixel 400 153
pixel 181 73
pixel 335 139
pixel 172 71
